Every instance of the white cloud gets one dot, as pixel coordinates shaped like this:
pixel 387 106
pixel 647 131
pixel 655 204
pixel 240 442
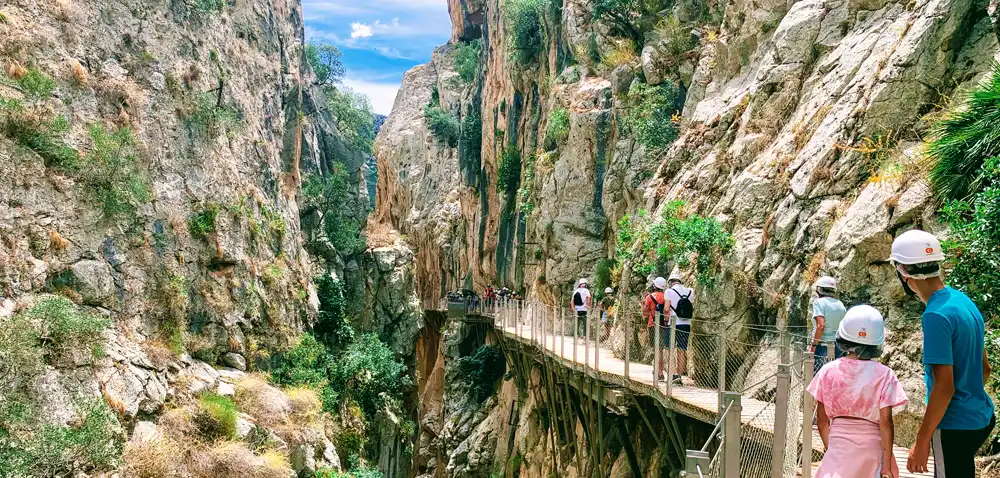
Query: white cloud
pixel 382 95
pixel 361 30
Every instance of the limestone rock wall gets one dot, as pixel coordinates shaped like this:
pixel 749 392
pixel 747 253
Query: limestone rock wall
pixel 165 70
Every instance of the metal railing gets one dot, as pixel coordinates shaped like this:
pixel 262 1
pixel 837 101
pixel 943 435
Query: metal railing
pixel 749 380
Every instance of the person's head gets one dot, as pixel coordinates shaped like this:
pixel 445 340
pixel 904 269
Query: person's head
pixel 675 278
pixel 917 257
pixel 826 287
pixel 659 283
pixel 862 332
pixel 584 284
pixel 609 291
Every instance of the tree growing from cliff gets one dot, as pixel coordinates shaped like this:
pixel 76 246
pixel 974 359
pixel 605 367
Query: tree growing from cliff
pixel 623 18
pixel 327 63
pixel 354 116
pixel 466 59
pixel 524 30
pixel 650 114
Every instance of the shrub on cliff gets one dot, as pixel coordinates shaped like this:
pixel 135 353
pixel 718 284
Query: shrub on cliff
pixel 651 114
pixel 330 195
pixel 965 139
pixel 557 129
pixel 509 171
pixel 354 116
pixel 524 30
pixel 466 59
pixel 327 63
pixel 678 237
pixel 369 374
pixel 111 174
pixel 479 372
pixel 623 18
pixel 443 125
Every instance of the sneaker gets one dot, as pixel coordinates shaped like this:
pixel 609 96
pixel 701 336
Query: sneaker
pixel 677 380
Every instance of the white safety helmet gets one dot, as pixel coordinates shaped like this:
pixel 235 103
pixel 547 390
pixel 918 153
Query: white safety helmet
pixel 660 283
pixel 916 247
pixel 827 282
pixel 609 291
pixel 863 325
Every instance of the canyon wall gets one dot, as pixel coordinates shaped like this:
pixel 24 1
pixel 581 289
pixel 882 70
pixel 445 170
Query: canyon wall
pixel 799 128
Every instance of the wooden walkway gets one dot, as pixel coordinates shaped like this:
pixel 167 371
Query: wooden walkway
pixel 699 403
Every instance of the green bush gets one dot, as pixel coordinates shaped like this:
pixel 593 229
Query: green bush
pixel 678 237
pixel 965 139
pixel 111 175
pixel 356 473
pixel 20 346
pixel 525 194
pixel 209 117
pixel 329 195
pixel 480 372
pixel 557 130
pixel 332 326
pixel 202 222
pixel 623 17
pixel 216 417
pixel 467 59
pixel 369 374
pixel 209 6
pixel 524 29
pixel 42 135
pixel 443 125
pixel 28 448
pixel 37 85
pixel 509 171
pixel 64 327
pixel 651 111
pixel 355 118
pixel 327 63
pixel 472 135
pixel 306 364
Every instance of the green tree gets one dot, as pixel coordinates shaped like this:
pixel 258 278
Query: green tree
pixel 443 125
pixel 651 114
pixel 524 30
pixel 329 195
pixel 369 374
pixel 623 18
pixel 965 139
pixel 327 63
pixel 354 116
pixel 467 59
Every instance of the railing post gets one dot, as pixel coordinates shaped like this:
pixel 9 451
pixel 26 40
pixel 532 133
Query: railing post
pixel 722 369
pixel 586 339
pixel 627 325
pixel 672 355
pixel 576 332
pixel 597 343
pixel 562 333
pixel 657 353
pixel 731 445
pixel 780 421
pixel 807 414
pixel 533 324
pixel 695 459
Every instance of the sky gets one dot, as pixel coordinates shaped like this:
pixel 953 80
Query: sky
pixel 380 39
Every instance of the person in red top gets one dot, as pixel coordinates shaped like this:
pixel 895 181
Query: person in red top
pixel 653 309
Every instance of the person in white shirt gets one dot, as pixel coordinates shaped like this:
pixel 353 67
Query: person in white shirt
pixel 682 307
pixel 581 304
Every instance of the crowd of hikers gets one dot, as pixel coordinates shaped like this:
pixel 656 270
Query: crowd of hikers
pixel 854 393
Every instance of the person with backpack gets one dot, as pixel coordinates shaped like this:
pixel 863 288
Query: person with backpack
pixel 827 311
pixel 607 306
pixel 682 307
pixel 654 308
pixel 582 301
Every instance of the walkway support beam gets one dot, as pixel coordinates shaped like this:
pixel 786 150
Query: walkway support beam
pixel 731 445
pixel 696 463
pixel 784 378
pixel 807 416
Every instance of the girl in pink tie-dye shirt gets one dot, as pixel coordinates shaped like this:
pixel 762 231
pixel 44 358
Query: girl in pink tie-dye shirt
pixel 855 397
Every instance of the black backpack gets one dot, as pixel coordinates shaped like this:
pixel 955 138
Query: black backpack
pixel 577 299
pixel 684 309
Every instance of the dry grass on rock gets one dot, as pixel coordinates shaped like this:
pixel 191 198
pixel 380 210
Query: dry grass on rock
pixel 235 460
pixel 153 459
pixel 256 397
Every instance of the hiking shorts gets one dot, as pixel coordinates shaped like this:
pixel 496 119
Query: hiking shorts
pixel 955 450
pixel 681 336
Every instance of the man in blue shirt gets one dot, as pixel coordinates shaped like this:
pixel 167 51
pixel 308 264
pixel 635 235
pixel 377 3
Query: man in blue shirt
pixel 959 415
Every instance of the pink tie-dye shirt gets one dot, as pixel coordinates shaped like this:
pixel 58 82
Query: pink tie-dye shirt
pixel 856 389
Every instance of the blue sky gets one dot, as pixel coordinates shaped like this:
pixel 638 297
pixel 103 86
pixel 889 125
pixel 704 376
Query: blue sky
pixel 381 39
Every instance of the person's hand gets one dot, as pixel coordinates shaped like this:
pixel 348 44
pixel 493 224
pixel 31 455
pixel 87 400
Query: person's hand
pixel 917 461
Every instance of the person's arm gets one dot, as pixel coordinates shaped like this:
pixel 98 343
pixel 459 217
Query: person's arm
pixel 823 424
pixel 987 368
pixel 887 430
pixel 820 326
pixel 937 405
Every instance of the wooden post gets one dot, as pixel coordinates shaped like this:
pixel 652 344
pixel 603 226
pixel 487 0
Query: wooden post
pixel 586 339
pixel 672 356
pixel 807 416
pixel 597 343
pixel 780 421
pixel 657 353
pixel 576 332
pixel 627 326
pixel 562 333
pixel 722 369
pixel 732 445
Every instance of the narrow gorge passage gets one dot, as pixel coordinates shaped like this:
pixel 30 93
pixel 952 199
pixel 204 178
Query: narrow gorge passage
pixel 330 238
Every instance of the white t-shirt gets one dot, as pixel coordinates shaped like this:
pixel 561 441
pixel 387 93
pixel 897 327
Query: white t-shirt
pixel 584 295
pixel 674 295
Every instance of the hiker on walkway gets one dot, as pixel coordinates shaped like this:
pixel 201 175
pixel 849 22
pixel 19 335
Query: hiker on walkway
pixel 606 307
pixel 582 302
pixel 827 311
pixel 854 400
pixel 654 309
pixel 959 415
pixel 682 307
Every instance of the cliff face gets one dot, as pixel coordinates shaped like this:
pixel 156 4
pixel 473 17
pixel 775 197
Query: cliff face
pixel 799 129
pixel 155 183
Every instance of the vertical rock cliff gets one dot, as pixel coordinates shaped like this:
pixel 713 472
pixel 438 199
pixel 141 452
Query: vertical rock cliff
pixel 798 126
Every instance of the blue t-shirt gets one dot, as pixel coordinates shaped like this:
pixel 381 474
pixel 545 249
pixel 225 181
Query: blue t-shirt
pixel 833 311
pixel 954 334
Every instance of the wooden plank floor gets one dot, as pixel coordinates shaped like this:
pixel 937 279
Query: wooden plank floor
pixel 696 402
